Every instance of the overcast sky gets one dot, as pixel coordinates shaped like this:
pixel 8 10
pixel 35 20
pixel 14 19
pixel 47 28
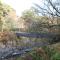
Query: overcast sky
pixel 21 5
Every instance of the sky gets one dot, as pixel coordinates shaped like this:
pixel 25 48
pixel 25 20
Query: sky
pixel 21 5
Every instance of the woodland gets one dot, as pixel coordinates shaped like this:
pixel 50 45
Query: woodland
pixel 38 19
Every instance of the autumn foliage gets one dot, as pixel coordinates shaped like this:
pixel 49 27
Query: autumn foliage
pixel 6 37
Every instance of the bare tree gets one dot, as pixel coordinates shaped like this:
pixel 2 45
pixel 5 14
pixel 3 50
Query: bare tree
pixel 50 8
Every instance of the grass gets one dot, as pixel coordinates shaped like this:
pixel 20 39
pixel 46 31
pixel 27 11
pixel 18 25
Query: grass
pixel 42 53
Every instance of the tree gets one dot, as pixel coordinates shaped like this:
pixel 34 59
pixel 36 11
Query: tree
pixel 29 17
pixel 3 13
pixel 33 22
pixel 29 14
pixel 7 17
pixel 50 7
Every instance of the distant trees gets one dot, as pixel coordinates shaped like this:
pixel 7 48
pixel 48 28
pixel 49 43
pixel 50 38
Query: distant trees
pixel 29 18
pixel 28 14
pixel 33 22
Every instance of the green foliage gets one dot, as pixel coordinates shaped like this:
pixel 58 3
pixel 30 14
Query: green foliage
pixel 19 58
pixel 36 56
pixel 3 12
pixel 50 53
pixel 28 14
pixel 6 21
pixel 35 23
pixel 56 56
